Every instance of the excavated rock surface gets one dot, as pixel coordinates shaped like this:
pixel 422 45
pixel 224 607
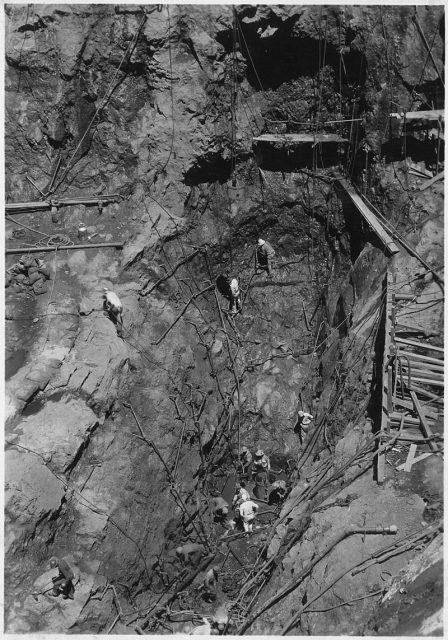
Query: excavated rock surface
pixel 84 480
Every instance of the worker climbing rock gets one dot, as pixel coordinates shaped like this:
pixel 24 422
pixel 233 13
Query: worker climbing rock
pixel 209 585
pixel 112 304
pixel 191 552
pixel 245 460
pixel 278 492
pixel 264 256
pixel 248 510
pixel 303 422
pixel 63 582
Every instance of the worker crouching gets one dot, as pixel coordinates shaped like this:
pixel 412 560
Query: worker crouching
pixel 191 553
pixel 228 287
pixel 63 582
pixel 112 304
pixel 209 585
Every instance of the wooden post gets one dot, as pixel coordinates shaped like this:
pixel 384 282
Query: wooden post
pixel 424 424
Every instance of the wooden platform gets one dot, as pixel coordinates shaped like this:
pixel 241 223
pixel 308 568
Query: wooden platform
pixel 299 138
pixel 420 116
pixel 369 216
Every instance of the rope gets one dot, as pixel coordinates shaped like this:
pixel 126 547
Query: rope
pixel 248 52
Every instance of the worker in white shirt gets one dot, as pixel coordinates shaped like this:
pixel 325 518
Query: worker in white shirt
pixel 112 304
pixel 248 511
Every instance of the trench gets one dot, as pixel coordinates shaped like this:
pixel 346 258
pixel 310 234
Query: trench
pixel 117 444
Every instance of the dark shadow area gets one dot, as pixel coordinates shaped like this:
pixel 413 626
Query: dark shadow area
pixel 274 157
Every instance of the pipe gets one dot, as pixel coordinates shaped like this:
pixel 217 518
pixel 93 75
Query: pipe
pixel 19 207
pixel 99 245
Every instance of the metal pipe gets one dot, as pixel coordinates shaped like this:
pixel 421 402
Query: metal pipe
pixel 18 207
pixel 99 245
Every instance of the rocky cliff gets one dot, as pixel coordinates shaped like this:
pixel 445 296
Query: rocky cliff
pixel 116 445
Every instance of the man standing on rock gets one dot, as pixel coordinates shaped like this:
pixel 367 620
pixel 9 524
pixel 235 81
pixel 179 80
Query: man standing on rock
pixel 248 511
pixel 264 256
pixel 228 287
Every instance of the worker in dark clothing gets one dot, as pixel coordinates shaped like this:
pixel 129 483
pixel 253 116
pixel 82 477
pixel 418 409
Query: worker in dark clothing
pixel 278 492
pixel 209 585
pixel 63 582
pixel 220 508
pixel 245 460
pixel 261 483
pixel 228 287
pixel 264 256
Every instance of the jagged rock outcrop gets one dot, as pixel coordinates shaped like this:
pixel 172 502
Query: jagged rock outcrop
pixel 85 479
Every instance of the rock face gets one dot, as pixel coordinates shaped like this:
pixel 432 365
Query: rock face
pixel 115 445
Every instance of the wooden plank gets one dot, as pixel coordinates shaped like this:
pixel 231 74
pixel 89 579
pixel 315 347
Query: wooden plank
pixel 409 405
pixel 425 369
pixel 410 458
pixel 424 423
pixel 369 216
pixel 420 345
pixel 418 356
pixel 401 467
pixel 431 381
pixel 429 183
pixel 433 396
pixel 411 437
pixel 299 138
pixel 431 114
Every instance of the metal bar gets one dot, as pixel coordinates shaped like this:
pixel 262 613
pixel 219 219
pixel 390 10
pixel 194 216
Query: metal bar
pixel 99 245
pixel 34 185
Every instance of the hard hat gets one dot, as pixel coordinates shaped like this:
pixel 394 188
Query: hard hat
pixel 244 449
pixel 259 453
pixel 105 289
pixel 179 551
pixel 301 413
pixel 260 242
pixel 53 562
pixel 225 510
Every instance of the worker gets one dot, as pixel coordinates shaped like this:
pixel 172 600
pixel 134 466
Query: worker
pixel 303 421
pixel 261 485
pixel 191 552
pixel 245 459
pixel 220 508
pixel 264 255
pixel 112 304
pixel 248 510
pixel 278 492
pixel 261 462
pixel 63 582
pixel 241 494
pixel 235 296
pixel 228 287
pixel 209 585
